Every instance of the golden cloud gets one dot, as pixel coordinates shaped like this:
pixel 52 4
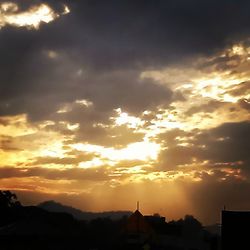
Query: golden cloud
pixel 31 18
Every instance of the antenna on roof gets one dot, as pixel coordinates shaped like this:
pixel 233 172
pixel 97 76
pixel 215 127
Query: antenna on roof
pixel 138 205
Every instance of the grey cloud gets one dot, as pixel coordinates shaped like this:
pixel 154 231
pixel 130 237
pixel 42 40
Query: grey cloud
pixel 119 136
pixel 222 63
pixel 7 143
pixel 109 37
pixel 214 105
pixel 244 103
pixel 178 155
pixel 240 89
pixel 227 143
pixel 149 32
pixel 4 122
pixel 63 161
pixel 39 90
pixel 95 126
pixel 93 174
pixel 209 107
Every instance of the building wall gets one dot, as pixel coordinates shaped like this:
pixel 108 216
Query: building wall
pixel 235 230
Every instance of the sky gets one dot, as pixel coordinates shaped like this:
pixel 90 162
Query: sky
pixel 106 103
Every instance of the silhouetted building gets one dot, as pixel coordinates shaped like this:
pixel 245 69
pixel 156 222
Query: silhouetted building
pixel 137 229
pixel 235 230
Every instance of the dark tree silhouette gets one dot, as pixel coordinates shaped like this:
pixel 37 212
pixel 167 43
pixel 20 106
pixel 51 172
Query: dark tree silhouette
pixel 8 200
pixel 9 207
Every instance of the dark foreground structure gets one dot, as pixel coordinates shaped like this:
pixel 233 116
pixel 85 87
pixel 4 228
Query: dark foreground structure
pixel 34 228
pixel 235 230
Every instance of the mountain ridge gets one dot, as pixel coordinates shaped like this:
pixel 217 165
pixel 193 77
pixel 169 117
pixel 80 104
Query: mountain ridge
pixel 53 206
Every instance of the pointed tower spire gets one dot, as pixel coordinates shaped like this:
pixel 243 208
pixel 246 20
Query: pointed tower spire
pixel 138 205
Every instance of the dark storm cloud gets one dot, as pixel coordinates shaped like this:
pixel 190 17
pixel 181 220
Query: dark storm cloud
pixel 153 32
pixel 227 143
pixel 41 85
pixel 114 33
pixel 106 36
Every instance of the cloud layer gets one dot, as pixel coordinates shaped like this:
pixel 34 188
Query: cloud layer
pixel 125 100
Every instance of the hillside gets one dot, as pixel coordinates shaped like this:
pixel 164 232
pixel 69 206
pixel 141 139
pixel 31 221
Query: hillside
pixel 53 206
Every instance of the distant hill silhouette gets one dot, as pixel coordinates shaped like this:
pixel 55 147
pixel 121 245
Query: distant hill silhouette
pixel 53 206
